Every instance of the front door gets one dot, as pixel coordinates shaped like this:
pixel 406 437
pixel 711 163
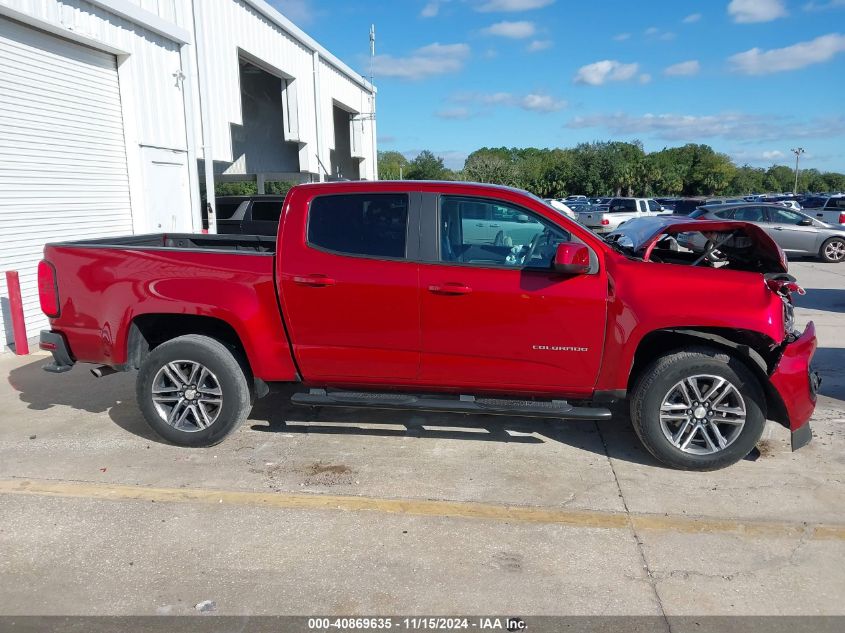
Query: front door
pixel 350 293
pixel 785 227
pixel 495 317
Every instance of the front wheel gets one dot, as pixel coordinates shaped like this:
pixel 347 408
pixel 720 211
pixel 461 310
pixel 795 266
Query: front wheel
pixel 698 410
pixel 193 391
pixel 833 250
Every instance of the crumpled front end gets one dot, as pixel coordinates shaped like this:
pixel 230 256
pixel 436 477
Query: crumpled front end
pixel 797 384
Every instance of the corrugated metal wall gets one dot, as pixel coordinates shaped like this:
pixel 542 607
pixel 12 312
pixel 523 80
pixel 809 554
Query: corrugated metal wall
pixel 157 99
pixel 63 172
pixel 230 26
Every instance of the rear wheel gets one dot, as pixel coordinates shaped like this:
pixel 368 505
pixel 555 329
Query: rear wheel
pixel 833 250
pixel 698 410
pixel 193 390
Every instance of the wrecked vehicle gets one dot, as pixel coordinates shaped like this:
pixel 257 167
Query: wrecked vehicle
pixel 399 295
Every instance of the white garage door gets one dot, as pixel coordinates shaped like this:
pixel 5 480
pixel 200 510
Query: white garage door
pixel 62 154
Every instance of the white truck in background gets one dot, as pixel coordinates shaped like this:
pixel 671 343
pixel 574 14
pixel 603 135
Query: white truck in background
pixel 827 209
pixel 618 211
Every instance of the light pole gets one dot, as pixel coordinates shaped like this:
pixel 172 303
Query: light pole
pixel 797 151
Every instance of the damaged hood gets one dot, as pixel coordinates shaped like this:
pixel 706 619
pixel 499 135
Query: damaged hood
pixel 738 240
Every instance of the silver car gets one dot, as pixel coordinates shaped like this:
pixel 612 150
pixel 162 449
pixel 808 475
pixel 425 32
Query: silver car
pixel 795 232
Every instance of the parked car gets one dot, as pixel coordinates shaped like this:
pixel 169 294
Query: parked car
pixel 667 203
pixel 711 201
pixel 685 206
pixel 790 204
pixel 795 232
pixel 619 210
pixel 576 197
pixel 829 209
pixel 561 206
pixel 248 215
pixel 373 295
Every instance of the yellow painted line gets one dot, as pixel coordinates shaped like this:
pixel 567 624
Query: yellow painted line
pixel 444 509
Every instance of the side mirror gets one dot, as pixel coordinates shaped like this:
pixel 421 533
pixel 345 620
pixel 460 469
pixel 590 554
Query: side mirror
pixel 806 222
pixel 523 218
pixel 572 258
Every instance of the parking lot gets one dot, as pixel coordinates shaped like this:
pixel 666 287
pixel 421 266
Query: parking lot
pixel 346 512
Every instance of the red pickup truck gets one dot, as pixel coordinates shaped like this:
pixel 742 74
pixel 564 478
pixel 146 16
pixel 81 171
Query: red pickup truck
pixel 444 297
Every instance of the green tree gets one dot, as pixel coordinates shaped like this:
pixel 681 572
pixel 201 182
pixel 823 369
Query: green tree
pixel 780 178
pixel 391 165
pixel 489 167
pixel 427 166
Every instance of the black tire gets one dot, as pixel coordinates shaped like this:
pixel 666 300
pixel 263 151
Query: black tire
pixel 833 256
pixel 229 372
pixel 656 383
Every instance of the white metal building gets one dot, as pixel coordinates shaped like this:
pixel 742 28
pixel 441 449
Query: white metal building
pixel 110 108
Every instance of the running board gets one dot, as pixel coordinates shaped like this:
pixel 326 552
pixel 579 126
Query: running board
pixel 454 404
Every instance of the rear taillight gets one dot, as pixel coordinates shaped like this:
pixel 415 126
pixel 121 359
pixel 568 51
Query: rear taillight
pixel 605 222
pixel 842 217
pixel 48 289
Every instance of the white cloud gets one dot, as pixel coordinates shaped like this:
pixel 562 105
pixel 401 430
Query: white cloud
pixel 683 69
pixel 730 125
pixel 761 157
pixel 645 78
pixel 533 102
pixel 659 34
pixel 539 45
pixel 621 37
pixel 428 61
pixel 454 113
pixel 514 30
pixel 760 62
pixel 431 9
pixel 748 11
pixel 598 73
pixel 541 103
pixel 824 6
pixel 511 6
pixel 691 18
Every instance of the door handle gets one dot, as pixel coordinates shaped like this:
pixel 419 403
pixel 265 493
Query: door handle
pixel 450 289
pixel 778 228
pixel 479 224
pixel 315 281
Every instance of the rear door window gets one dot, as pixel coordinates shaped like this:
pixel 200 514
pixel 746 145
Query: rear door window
pixel 370 225
pixel 622 206
pixel 750 214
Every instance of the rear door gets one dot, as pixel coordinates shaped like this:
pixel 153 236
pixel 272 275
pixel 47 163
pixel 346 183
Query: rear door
pixel 496 318
pixel 349 288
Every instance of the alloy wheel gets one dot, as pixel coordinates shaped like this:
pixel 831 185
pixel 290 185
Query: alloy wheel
pixel 835 251
pixel 702 414
pixel 187 395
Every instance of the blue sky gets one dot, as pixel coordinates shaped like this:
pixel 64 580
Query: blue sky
pixel 752 78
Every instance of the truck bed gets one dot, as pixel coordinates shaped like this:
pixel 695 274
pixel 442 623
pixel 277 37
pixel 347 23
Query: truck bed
pixel 182 241
pixel 105 284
